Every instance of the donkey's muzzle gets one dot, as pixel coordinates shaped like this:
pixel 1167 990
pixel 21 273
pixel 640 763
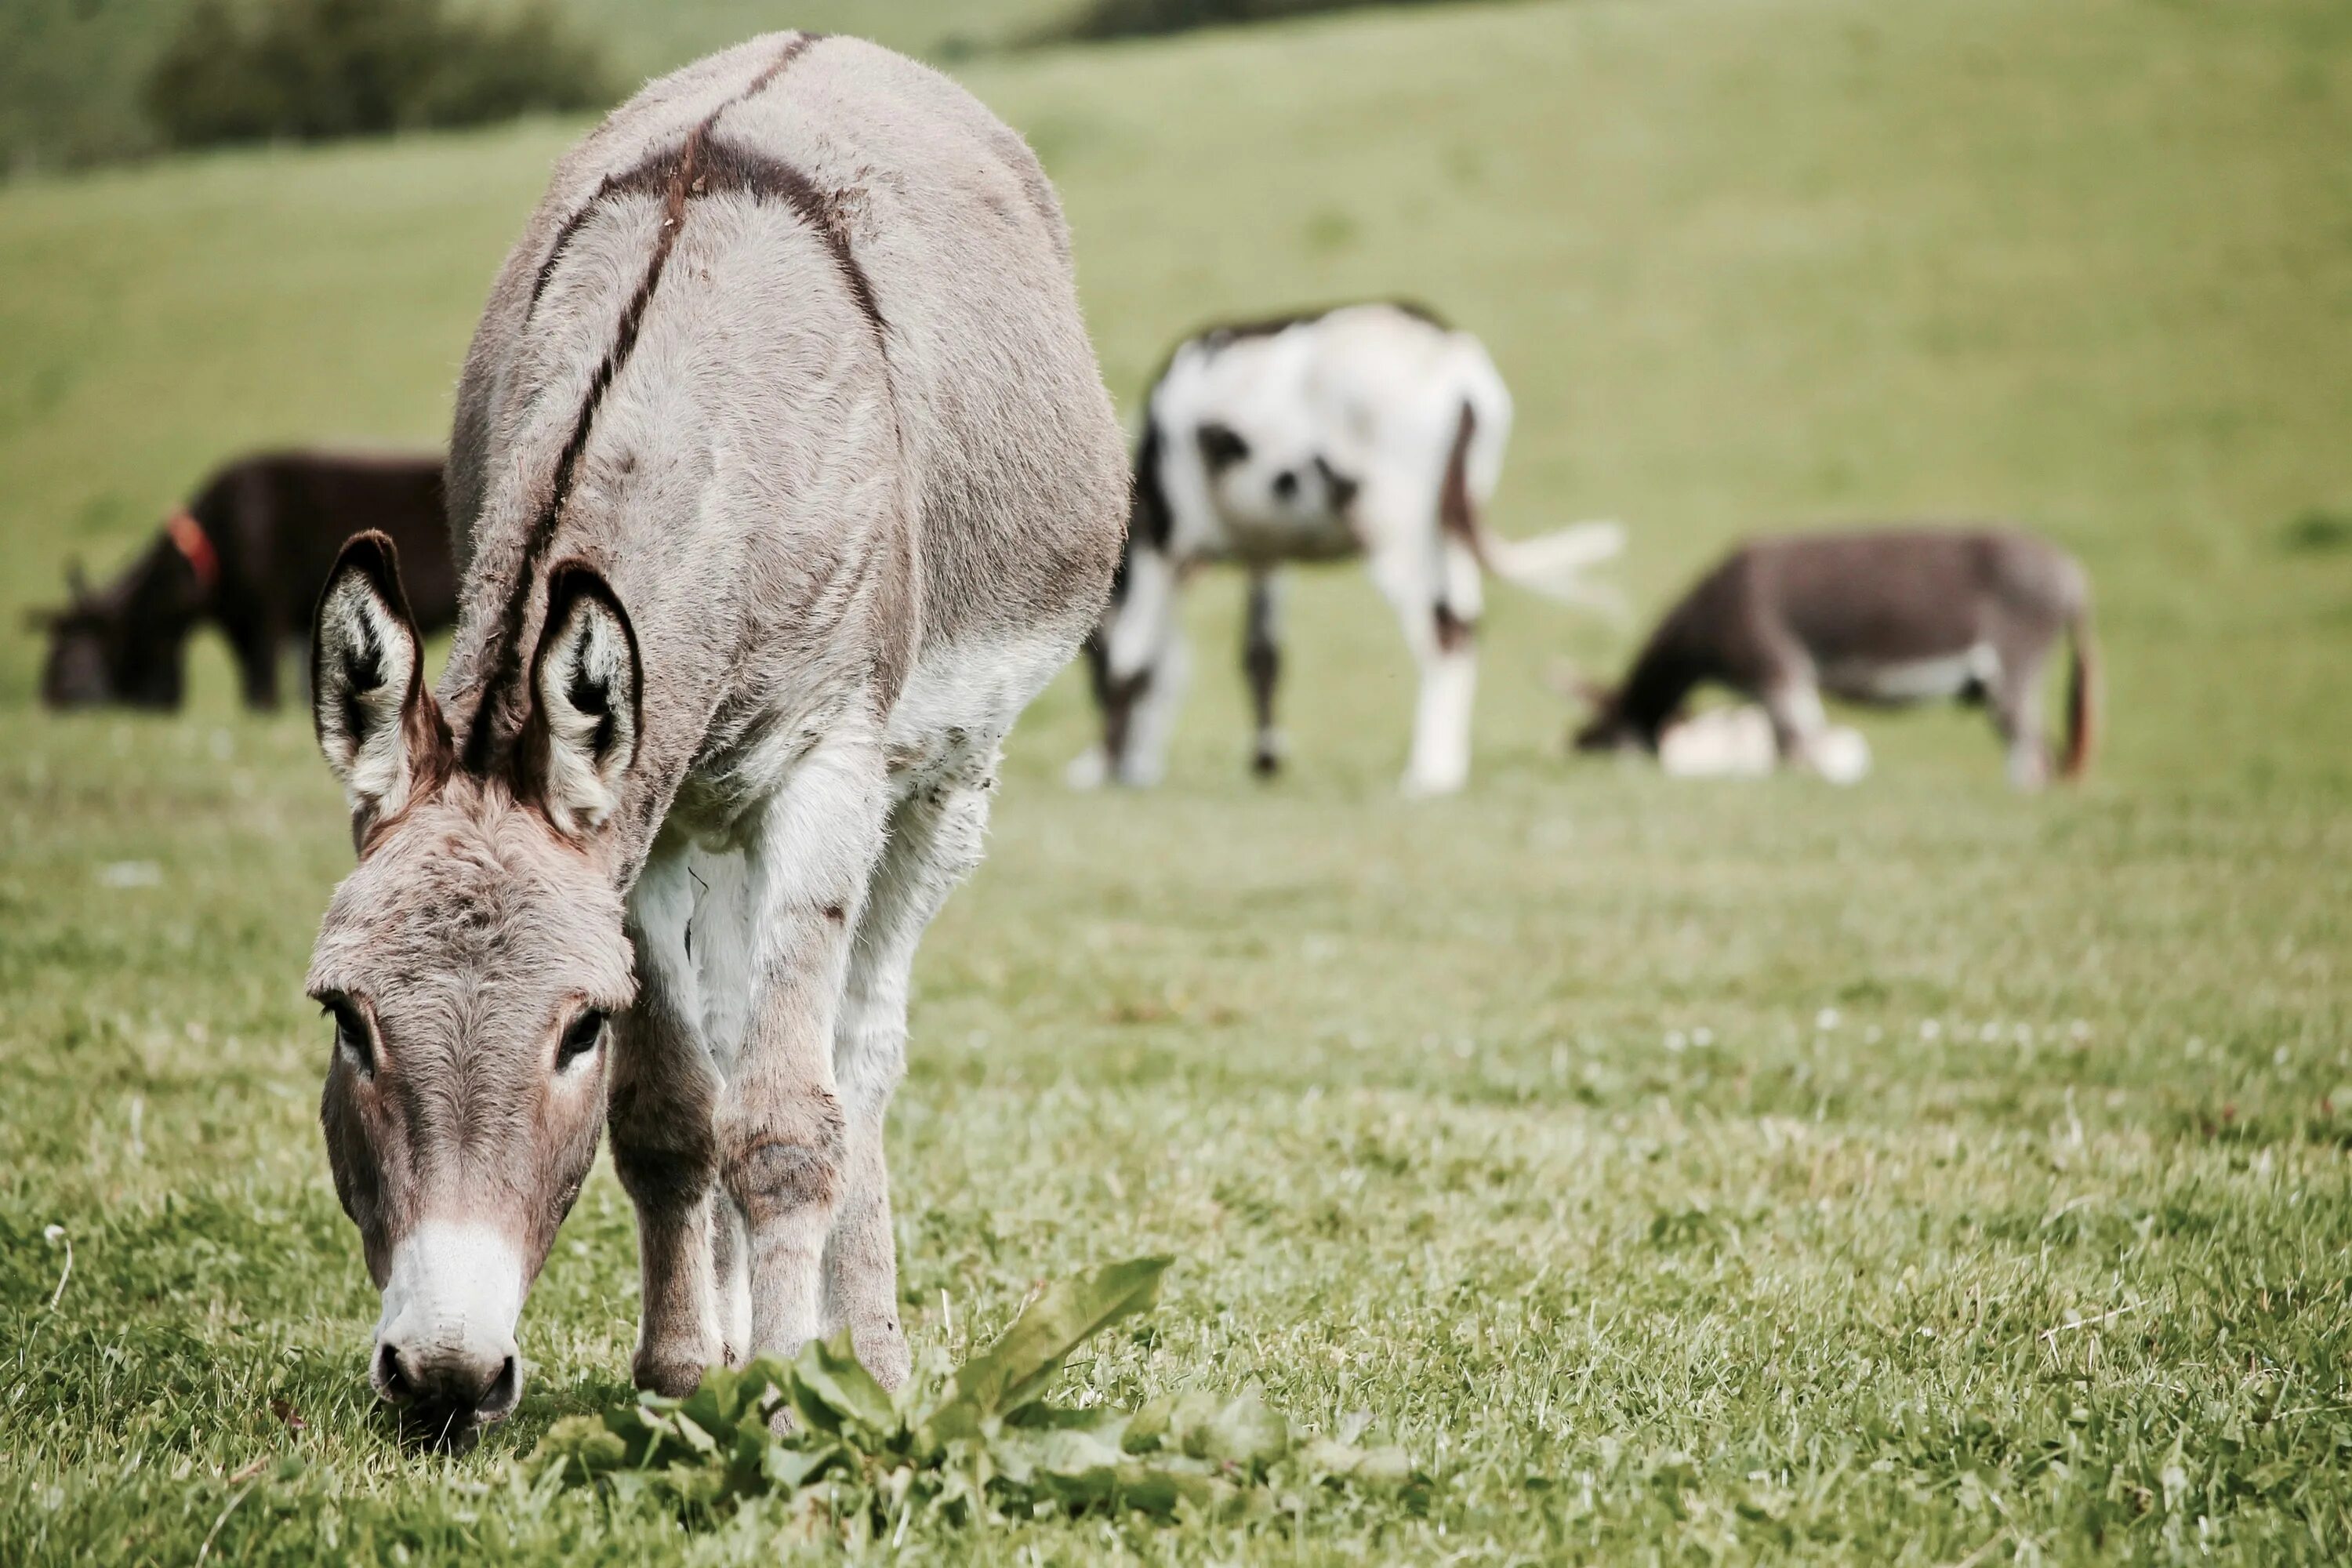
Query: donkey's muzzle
pixel 444 1349
pixel 444 1392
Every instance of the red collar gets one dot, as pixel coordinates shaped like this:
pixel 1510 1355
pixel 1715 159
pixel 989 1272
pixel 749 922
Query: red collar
pixel 189 538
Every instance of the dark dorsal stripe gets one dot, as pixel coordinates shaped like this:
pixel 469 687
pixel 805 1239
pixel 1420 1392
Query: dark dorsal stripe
pixel 699 166
pixel 730 168
pixel 636 179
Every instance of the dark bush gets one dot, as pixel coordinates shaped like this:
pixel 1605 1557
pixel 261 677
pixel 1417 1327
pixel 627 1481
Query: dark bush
pixel 314 69
pixel 1128 18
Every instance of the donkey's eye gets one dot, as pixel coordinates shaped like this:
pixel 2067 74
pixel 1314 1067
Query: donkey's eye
pixel 580 1039
pixel 351 1035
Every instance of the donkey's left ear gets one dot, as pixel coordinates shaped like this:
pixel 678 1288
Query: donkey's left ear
pixel 587 712
pixel 380 730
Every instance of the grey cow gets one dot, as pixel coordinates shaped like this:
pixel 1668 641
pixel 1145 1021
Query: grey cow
pixel 782 478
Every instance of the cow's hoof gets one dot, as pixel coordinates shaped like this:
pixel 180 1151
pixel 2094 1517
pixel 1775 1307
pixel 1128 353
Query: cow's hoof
pixel 1417 788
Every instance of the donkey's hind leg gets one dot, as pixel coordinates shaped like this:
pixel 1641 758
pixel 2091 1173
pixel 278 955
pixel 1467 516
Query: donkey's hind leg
pixel 2016 693
pixel 663 1092
pixel 937 837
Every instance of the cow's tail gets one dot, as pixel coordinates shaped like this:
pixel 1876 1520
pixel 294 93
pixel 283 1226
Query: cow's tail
pixel 1556 565
pixel 2081 696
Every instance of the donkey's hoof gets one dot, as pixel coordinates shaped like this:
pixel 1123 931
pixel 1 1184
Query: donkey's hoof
pixel 671 1374
pixel 881 1346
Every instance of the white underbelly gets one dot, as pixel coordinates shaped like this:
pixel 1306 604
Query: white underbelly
pixel 959 703
pixel 1916 680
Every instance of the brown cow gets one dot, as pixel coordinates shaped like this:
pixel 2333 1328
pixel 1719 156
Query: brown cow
pixel 249 555
pixel 1890 617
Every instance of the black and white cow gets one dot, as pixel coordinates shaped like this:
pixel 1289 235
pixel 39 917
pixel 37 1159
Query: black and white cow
pixel 1888 618
pixel 1372 431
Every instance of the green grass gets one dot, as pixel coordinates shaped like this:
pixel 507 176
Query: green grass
pixel 1680 1172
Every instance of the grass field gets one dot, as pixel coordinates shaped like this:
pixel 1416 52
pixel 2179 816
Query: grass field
pixel 1917 1173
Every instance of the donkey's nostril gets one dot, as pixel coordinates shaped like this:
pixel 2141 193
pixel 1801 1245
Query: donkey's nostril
pixel 500 1397
pixel 390 1381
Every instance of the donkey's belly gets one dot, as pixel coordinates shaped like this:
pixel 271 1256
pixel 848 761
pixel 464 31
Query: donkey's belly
pixel 958 702
pixel 1897 682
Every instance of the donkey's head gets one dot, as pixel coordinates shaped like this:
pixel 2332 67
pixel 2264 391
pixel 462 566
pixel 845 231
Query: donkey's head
pixel 1609 726
pixel 468 962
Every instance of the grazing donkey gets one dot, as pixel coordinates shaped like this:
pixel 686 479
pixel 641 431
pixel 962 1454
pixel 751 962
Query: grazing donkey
pixel 1892 618
pixel 249 555
pixel 1368 430
pixel 782 478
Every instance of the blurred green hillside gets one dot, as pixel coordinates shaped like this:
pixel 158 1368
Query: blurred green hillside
pixel 70 70
pixel 1743 265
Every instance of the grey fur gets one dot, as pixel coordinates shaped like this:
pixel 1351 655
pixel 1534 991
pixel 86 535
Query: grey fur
pixel 787 375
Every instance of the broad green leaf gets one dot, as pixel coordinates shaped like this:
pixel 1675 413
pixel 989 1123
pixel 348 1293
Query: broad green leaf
pixel 831 1386
pixel 692 1435
pixel 1147 1430
pixel 1072 1452
pixel 1158 1490
pixel 1019 1366
pixel 581 1447
pixel 1246 1433
pixel 789 1469
pixel 1189 1420
pixel 983 1444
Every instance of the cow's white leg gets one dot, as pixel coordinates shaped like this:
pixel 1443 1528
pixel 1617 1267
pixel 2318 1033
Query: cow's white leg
pixel 664 1095
pixel 1141 679
pixel 1440 763
pixel 1151 713
pixel 936 837
pixel 1435 592
pixel 781 1137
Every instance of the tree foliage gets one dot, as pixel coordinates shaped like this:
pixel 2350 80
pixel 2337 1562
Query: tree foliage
pixel 316 69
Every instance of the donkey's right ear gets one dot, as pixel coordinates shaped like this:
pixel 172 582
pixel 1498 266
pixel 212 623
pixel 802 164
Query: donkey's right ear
pixel 380 730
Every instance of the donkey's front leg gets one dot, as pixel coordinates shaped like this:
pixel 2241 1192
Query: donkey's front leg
pixel 936 839
pixel 663 1097
pixel 781 1140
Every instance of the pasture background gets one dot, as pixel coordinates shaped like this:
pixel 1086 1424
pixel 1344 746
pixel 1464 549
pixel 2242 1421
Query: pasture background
pixel 1680 1172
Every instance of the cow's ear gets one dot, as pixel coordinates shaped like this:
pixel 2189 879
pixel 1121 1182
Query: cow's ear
pixel 587 708
pixel 380 730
